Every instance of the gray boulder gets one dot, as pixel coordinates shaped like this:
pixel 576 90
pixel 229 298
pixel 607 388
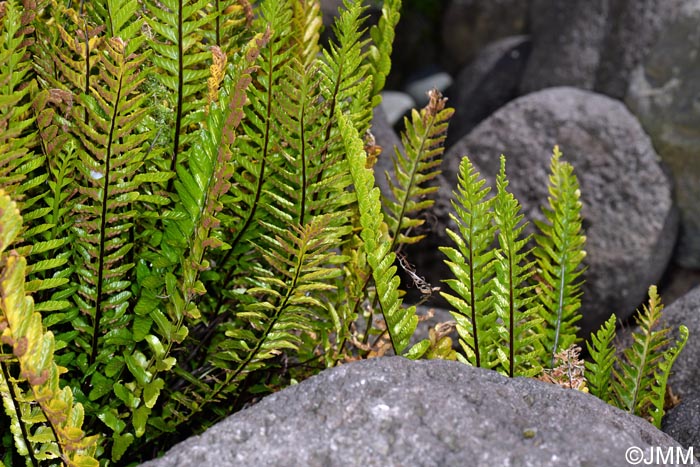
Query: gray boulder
pixel 633 27
pixel 469 25
pixel 685 379
pixel 628 215
pixel 396 412
pixel 490 81
pixel 566 41
pixel 681 423
pixel 664 94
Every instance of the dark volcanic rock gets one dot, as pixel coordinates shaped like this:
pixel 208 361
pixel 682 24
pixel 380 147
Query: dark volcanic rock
pixel 627 207
pixel 566 40
pixel 489 82
pixel 633 28
pixel 685 378
pixel 468 25
pixel 682 422
pixel 664 94
pixel 395 412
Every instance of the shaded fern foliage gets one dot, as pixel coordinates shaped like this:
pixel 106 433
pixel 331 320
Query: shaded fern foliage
pixel 199 224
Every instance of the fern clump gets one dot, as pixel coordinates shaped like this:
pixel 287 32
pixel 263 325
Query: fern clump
pixel 636 381
pixel 517 315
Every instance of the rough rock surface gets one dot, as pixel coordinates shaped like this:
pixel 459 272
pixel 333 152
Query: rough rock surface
pixel 664 94
pixel 394 412
pixel 632 30
pixel 468 25
pixel 487 83
pixel 627 207
pixel 681 423
pixel 566 42
pixel 685 379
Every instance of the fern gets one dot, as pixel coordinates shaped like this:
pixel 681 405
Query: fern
pixel 513 300
pixel 179 56
pixel 659 391
pixel 472 265
pixel 380 51
pixel 202 184
pixel 639 384
pixel 559 254
pixel 599 367
pixel 401 322
pixel 57 433
pixel 423 150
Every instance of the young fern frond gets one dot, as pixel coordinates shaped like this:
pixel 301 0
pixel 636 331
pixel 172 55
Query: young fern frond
pixel 55 420
pixel 658 397
pixel 401 322
pixel 602 358
pixel 520 351
pixel 472 264
pixel 559 254
pixel 639 384
pixel 423 143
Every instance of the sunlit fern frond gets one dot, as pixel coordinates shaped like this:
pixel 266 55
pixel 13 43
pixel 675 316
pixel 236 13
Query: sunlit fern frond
pixel 472 265
pixel 401 322
pixel 382 44
pixel 419 164
pixel 520 351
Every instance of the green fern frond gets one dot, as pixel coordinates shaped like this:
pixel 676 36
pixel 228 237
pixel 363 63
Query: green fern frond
pixel 17 138
pixel 380 51
pixel 401 322
pixel 182 61
pixel 422 141
pixel 514 301
pixel 202 183
pixel 112 155
pixel 639 384
pixel 600 366
pixel 657 398
pixel 472 265
pixel 559 253
pixel 345 82
pixel 55 430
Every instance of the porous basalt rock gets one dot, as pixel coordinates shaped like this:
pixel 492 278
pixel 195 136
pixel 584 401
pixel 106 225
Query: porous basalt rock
pixel 396 412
